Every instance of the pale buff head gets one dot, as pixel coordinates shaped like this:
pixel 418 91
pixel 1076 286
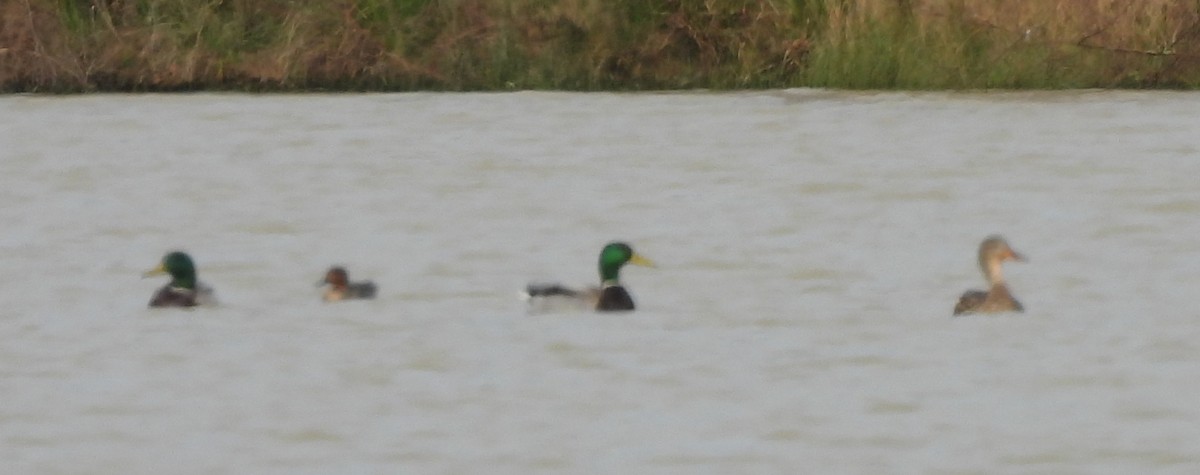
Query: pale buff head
pixel 993 251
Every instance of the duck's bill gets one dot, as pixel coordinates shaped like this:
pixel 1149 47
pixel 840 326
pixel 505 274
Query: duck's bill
pixel 637 259
pixel 160 270
pixel 1014 255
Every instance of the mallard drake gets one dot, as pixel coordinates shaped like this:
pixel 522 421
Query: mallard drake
pixel 340 287
pixel 992 253
pixel 610 295
pixel 183 290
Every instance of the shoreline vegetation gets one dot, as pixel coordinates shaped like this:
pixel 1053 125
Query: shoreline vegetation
pixel 71 46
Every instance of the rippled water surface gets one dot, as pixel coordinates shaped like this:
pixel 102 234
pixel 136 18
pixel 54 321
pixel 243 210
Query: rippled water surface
pixel 810 246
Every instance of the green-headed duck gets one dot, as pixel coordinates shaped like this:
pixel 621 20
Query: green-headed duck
pixel 183 290
pixel 610 295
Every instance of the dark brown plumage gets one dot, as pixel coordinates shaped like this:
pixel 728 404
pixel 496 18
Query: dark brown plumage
pixel 340 287
pixel 169 296
pixel 614 298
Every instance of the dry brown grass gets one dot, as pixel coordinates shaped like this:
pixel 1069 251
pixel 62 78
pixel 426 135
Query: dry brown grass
pixel 83 45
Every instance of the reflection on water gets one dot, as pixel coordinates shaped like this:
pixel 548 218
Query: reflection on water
pixel 811 246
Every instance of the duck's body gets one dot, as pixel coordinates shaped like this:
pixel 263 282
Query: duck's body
pixel 614 298
pixel 357 290
pixel 549 298
pixel 610 296
pixel 184 290
pixel 605 299
pixel 998 298
pixel 169 296
pixel 340 287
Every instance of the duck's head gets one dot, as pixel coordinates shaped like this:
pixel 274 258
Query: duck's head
pixel 996 249
pixel 614 256
pixel 179 266
pixel 992 252
pixel 336 277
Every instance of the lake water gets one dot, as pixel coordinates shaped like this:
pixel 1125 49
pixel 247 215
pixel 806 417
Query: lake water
pixel 810 248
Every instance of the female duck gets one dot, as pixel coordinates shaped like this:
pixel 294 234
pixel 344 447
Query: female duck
pixel 183 290
pixel 340 287
pixel 992 253
pixel 611 295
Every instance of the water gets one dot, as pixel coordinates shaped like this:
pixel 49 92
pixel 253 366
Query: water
pixel 811 246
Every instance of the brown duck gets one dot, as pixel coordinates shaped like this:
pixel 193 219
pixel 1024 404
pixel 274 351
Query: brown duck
pixel 340 287
pixel 992 253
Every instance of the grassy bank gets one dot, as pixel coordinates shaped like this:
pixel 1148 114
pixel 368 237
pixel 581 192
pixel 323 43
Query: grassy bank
pixel 287 45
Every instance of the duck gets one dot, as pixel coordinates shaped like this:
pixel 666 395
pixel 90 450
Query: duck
pixel 184 290
pixel 610 296
pixel 340 287
pixel 993 251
